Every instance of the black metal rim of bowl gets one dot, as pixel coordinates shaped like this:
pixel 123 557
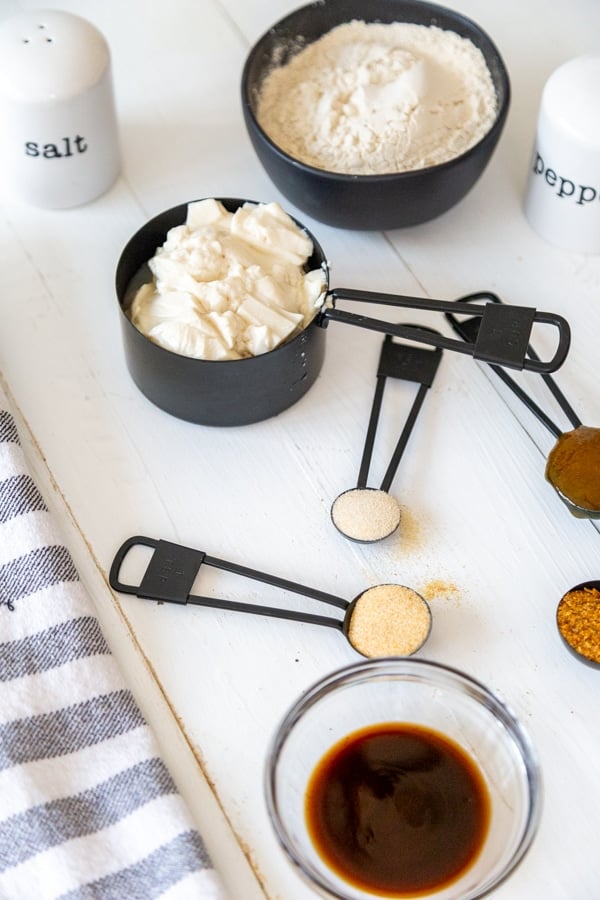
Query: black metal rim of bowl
pixel 209 392
pixel 367 201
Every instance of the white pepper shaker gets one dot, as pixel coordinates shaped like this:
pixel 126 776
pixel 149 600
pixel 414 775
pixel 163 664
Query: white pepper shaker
pixel 59 144
pixel 562 201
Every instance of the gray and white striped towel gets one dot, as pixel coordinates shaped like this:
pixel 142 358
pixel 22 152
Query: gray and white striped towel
pixel 88 810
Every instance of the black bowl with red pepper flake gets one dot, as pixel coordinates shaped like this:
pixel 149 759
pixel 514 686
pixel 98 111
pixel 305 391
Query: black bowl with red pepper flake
pixel 578 622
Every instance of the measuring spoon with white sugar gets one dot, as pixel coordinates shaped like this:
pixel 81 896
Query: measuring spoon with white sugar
pixel 573 464
pixel 365 514
pixel 384 620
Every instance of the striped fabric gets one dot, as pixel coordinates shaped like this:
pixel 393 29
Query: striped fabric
pixel 88 810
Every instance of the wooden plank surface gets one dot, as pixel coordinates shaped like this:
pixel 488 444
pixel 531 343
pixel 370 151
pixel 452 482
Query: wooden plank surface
pixel 483 534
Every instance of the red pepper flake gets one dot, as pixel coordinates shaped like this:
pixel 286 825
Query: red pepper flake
pixel 578 620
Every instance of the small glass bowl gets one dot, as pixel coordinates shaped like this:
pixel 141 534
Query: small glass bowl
pixel 422 693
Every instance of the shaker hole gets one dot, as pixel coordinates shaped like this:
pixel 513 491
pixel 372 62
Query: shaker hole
pixel 41 26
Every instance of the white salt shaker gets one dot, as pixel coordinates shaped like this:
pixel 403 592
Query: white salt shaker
pixel 59 140
pixel 562 201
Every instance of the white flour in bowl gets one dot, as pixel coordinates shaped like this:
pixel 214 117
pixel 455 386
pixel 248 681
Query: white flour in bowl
pixel 370 99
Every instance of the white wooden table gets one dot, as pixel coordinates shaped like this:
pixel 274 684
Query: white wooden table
pixel 484 535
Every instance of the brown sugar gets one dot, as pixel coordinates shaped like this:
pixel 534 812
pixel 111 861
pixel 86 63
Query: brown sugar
pixel 438 588
pixel 389 620
pixel 578 620
pixel 412 531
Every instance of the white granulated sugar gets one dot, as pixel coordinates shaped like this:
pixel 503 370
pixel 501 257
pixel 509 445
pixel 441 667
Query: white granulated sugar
pixel 365 514
pixel 370 99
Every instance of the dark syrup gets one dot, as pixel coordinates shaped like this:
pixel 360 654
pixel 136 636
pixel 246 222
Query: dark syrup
pixel 397 809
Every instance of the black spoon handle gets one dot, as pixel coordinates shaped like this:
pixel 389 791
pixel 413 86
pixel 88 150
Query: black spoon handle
pixel 529 402
pixel 172 570
pixel 467 329
pixel 408 363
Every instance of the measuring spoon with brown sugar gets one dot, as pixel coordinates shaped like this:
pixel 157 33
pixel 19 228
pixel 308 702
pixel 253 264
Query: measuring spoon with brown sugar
pixel 578 622
pixel 384 620
pixel 366 514
pixel 573 464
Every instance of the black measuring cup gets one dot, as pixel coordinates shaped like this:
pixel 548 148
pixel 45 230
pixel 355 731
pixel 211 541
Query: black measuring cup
pixel 574 443
pixel 241 391
pixel 365 514
pixel 173 568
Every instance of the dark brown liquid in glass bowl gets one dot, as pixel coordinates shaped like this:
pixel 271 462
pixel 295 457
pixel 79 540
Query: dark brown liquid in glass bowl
pixel 397 809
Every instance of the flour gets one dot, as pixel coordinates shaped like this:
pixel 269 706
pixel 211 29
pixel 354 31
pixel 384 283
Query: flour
pixel 371 99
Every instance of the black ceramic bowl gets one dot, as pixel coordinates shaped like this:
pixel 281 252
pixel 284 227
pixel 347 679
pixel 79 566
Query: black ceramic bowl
pixel 369 202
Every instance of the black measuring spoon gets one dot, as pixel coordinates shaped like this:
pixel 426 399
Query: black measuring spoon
pixel 573 464
pixel 385 620
pixel 365 514
pixel 578 622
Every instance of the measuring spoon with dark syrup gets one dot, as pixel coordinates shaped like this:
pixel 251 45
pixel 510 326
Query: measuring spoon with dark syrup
pixel 573 464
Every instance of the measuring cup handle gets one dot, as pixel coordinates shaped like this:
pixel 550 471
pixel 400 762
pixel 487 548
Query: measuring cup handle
pixel 409 332
pixel 115 569
pixel 468 330
pixel 502 337
pixel 564 342
pixel 169 576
